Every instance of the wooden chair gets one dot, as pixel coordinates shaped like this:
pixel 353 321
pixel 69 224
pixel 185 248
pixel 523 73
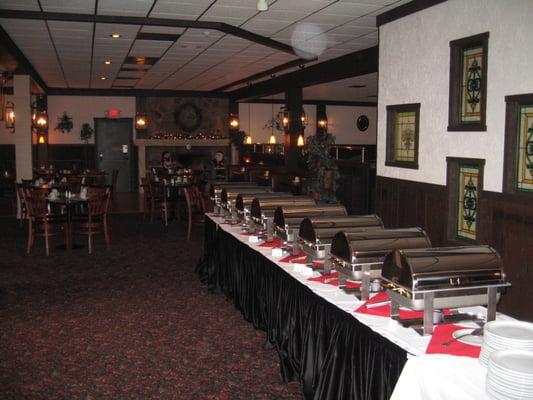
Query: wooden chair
pixel 21 194
pixel 95 221
pixel 160 201
pixel 195 204
pixel 147 197
pixel 40 221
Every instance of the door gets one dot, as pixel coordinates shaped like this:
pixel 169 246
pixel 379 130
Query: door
pixel 114 150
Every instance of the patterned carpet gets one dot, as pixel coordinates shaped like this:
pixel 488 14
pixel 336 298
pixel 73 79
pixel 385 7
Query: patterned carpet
pixel 132 323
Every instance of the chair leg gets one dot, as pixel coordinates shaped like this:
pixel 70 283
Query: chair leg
pixel 189 229
pixel 152 209
pixel 90 242
pixel 106 234
pixel 30 238
pixel 46 240
pixel 165 211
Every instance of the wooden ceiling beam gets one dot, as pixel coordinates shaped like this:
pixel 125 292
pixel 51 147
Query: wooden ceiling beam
pixel 148 21
pixel 354 64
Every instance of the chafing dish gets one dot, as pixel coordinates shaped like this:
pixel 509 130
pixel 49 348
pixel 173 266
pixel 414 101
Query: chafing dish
pixel 214 190
pixel 243 201
pixel 359 255
pixel 315 235
pixel 262 210
pixel 287 220
pixel 230 194
pixel 424 279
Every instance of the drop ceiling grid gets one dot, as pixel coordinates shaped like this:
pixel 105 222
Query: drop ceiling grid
pixel 349 26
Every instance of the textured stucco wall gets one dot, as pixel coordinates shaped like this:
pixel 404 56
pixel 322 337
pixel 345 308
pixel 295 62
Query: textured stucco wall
pixel 414 68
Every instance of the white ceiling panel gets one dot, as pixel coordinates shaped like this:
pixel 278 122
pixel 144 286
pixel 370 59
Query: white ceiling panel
pixel 162 29
pixel 191 9
pixel 149 48
pixel 68 6
pixel 28 5
pixel 137 8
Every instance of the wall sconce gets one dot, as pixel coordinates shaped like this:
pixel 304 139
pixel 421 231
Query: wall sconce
pixel 322 120
pixel 322 123
pixel 42 138
pixel 41 121
pixel 141 121
pixel 272 139
pixel 304 119
pixel 248 140
pixel 10 116
pixel 233 121
pixel 300 142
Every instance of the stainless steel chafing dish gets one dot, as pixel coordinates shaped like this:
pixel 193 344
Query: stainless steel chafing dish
pixel 315 235
pixel 262 210
pixel 359 255
pixel 230 194
pixel 424 279
pixel 287 220
pixel 214 190
pixel 243 201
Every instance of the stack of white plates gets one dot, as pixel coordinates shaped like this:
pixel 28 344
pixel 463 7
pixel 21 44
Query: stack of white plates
pixel 510 375
pixel 505 335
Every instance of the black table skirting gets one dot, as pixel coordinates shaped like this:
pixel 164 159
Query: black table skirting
pixel 332 354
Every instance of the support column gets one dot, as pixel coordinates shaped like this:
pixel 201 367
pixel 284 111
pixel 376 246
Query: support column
pixel 23 134
pixel 293 102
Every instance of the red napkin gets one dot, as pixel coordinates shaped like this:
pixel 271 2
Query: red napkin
pixel 443 333
pixel 289 259
pixel 334 282
pixel 274 243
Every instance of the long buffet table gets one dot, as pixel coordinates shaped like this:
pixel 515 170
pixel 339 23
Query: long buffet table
pixel 334 352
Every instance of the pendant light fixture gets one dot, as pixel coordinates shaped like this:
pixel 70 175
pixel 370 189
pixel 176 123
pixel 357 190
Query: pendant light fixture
pixel 272 139
pixel 262 5
pixel 301 142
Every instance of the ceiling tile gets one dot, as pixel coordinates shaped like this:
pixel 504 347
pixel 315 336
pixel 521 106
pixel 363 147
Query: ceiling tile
pixel 68 6
pixel 27 5
pixel 138 8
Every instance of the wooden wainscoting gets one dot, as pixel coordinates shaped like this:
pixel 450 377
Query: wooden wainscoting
pixel 506 221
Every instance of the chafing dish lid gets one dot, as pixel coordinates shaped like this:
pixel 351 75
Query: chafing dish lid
pixel 347 245
pixel 444 267
pixel 283 214
pixel 231 193
pixel 216 187
pixel 245 199
pixel 326 231
pixel 259 206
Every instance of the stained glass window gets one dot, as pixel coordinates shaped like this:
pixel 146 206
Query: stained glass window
pixel 468 83
pixel 404 136
pixel 471 85
pixel 467 198
pixel 524 170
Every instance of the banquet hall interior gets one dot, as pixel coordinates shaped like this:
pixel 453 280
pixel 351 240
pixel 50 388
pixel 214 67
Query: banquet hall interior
pixel 266 199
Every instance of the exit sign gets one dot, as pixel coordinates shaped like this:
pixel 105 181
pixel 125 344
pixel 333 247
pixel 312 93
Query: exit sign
pixel 112 113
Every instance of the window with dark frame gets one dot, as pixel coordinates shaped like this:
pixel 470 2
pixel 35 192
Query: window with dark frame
pixel 465 185
pixel 403 121
pixel 468 83
pixel 518 160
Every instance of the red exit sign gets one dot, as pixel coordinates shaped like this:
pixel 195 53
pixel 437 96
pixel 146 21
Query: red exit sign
pixel 112 113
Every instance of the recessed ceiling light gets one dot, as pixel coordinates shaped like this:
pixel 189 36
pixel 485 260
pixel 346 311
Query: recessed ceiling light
pixel 262 5
pixel 107 62
pixel 103 78
pixel 116 35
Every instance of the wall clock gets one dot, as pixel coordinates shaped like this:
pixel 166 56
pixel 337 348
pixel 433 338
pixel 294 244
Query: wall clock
pixel 188 117
pixel 362 123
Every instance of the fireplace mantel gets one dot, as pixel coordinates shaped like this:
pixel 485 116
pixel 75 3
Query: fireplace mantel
pixel 187 145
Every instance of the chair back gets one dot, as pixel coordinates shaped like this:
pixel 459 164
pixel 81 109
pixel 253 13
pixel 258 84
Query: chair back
pixel 37 202
pixel 194 199
pixel 98 201
pixel 158 190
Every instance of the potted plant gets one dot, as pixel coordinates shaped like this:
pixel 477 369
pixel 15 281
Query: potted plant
pixel 86 133
pixel 64 123
pixel 324 172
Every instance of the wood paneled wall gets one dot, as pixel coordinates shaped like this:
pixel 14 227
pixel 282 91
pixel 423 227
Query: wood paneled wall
pixel 506 221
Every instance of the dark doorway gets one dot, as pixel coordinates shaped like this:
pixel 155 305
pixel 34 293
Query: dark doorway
pixel 114 151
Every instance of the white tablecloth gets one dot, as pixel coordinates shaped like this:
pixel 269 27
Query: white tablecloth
pixel 441 377
pixel 425 377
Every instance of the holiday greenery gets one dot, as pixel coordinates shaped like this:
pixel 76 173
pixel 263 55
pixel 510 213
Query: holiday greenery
pixel 324 172
pixel 86 132
pixel 64 123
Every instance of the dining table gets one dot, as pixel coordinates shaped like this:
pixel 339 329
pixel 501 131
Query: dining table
pixel 68 202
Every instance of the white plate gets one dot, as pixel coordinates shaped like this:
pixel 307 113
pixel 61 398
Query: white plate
pixel 514 361
pixel 474 340
pixel 519 331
